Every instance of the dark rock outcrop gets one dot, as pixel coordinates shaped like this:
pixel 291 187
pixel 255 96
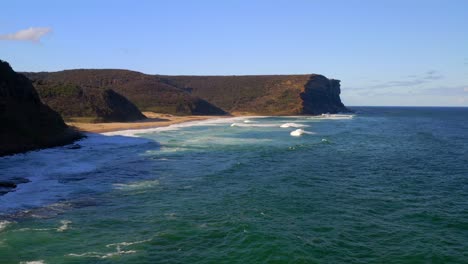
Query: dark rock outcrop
pixel 322 95
pixel 10 184
pixel 25 122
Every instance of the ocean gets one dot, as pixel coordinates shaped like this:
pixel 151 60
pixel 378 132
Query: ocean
pixel 384 185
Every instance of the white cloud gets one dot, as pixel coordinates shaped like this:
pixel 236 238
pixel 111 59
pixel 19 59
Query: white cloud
pixel 33 34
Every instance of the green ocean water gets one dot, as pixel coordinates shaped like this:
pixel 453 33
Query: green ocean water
pixel 389 185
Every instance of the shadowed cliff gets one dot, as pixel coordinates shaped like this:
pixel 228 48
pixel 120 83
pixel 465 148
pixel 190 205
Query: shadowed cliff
pixel 97 105
pixel 27 123
pixel 322 95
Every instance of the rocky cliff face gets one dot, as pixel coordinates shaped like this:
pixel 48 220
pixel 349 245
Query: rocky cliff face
pixel 25 122
pixel 322 95
pixel 97 105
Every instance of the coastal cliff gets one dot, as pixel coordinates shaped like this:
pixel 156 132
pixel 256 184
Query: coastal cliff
pixel 210 95
pixel 266 94
pixel 93 104
pixel 27 123
pixel 322 95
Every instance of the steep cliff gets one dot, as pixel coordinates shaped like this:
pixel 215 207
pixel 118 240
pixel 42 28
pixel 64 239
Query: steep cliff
pixel 25 122
pixel 322 95
pixel 98 105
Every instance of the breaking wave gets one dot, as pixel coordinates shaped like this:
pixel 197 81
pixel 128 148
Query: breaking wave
pixel 287 125
pixel 299 132
pixel 332 116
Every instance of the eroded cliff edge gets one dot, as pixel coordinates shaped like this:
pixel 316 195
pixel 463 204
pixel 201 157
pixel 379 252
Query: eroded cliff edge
pixel 322 95
pixel 25 122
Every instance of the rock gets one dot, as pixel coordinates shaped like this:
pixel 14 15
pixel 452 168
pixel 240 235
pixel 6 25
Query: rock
pixel 27 123
pixel 7 184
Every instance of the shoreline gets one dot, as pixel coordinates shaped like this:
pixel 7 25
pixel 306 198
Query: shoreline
pixel 154 120
pixel 157 120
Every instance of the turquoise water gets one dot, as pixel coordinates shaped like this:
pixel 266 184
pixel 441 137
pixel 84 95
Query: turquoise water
pixel 389 185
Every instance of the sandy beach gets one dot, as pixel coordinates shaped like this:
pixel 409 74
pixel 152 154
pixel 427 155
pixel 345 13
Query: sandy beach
pixel 154 120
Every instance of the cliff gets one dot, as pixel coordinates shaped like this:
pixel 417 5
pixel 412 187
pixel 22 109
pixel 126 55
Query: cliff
pixel 265 94
pixel 322 95
pixel 25 122
pixel 97 105
pixel 204 95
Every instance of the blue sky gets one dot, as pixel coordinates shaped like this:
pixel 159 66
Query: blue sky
pixel 384 52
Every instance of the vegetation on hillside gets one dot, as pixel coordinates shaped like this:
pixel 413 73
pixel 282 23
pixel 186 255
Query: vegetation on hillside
pixel 147 92
pixel 98 105
pixel 205 95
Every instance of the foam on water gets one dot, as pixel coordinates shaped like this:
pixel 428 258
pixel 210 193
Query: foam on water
pixel 332 116
pixel 136 185
pixel 300 132
pixel 94 254
pixel 128 243
pixel 4 224
pixel 64 225
pixel 252 125
pixel 208 122
pixel 33 262
pixel 118 250
pixel 295 125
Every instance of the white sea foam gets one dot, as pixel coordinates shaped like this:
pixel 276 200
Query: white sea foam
pixel 94 254
pixel 136 185
pixel 4 224
pixel 208 122
pixel 287 125
pixel 332 116
pixel 33 262
pixel 249 121
pixel 252 125
pixel 64 225
pixel 118 250
pixel 300 132
pixel 125 244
